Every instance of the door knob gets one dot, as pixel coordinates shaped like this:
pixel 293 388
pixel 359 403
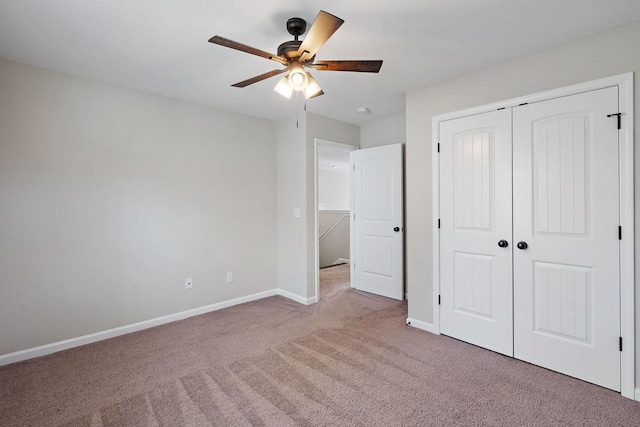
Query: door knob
pixel 503 243
pixel 522 245
pixel 396 229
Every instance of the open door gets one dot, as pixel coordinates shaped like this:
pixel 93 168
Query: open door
pixel 377 221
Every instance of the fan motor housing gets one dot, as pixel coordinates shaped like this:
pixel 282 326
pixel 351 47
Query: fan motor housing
pixel 289 49
pixel 296 27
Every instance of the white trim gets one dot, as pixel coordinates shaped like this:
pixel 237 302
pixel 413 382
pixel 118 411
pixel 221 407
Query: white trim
pixel 637 396
pixel 296 298
pixel 435 167
pixel 316 223
pixel 341 261
pixel 429 327
pixel 352 235
pixel 627 244
pixel 337 145
pixel 627 249
pixel 43 350
pixel 55 347
pixel 617 80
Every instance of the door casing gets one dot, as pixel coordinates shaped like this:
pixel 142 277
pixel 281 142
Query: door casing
pixel 337 146
pixel 626 199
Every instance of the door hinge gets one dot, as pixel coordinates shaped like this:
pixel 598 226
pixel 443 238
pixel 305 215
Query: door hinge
pixel 619 232
pixel 619 118
pixel 438 299
pixel 620 342
pixel 438 147
pixel 438 222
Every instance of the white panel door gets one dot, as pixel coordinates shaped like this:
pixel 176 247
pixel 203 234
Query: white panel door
pixel 378 221
pixel 566 281
pixel 475 225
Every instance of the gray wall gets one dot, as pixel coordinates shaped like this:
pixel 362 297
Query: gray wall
pixel 296 189
pixel 110 198
pixel 385 131
pixel 334 190
pixel 613 52
pixel 336 244
pixel 292 187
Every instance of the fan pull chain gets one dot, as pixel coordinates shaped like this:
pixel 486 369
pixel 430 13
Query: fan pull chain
pixel 304 108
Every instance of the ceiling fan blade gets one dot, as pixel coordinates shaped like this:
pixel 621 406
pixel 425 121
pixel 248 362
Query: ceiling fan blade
pixel 261 77
pixel 248 49
pixel 323 27
pixel 357 66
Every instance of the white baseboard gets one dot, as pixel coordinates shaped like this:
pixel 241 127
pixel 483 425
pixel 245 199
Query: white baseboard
pixel 638 395
pixel 341 261
pixel 422 325
pixel 43 350
pixel 296 298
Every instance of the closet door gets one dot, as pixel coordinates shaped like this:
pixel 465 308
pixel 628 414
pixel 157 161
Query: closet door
pixel 566 278
pixel 475 230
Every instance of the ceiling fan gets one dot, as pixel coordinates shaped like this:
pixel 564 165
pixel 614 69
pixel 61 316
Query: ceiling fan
pixel 296 55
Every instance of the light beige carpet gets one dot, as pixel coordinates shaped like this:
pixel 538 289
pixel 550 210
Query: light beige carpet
pixel 349 360
pixel 334 279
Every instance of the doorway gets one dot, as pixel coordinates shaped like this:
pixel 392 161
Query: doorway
pixel 332 213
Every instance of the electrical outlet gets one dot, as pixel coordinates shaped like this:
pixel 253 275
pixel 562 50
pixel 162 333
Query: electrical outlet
pixel 188 283
pixel 229 277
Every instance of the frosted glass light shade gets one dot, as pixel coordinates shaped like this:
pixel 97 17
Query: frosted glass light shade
pixel 283 88
pixel 297 77
pixel 313 88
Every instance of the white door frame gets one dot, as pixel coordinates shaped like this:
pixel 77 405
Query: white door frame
pixel 316 225
pixel 626 172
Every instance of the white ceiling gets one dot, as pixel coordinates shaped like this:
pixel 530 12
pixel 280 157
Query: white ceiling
pixel 160 46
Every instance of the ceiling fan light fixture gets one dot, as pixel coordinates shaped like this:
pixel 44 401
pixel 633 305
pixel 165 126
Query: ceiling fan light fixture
pixel 283 88
pixel 298 77
pixel 297 54
pixel 313 88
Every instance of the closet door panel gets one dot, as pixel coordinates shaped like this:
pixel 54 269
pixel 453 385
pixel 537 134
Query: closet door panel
pixel 475 214
pixel 566 280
